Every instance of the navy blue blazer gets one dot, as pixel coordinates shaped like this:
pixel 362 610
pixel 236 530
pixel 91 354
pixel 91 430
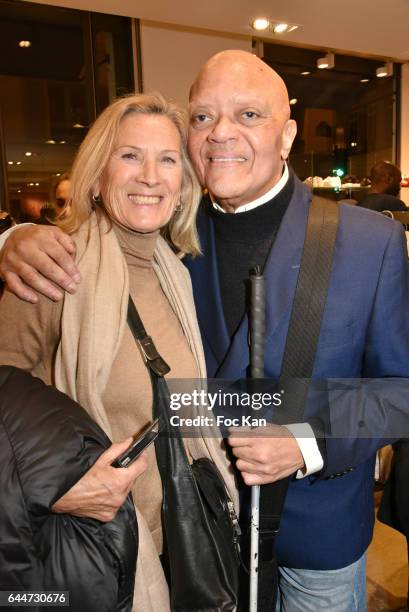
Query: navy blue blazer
pixel 327 521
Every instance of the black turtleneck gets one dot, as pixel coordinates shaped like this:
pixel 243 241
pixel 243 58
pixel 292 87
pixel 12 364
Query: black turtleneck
pixel 244 240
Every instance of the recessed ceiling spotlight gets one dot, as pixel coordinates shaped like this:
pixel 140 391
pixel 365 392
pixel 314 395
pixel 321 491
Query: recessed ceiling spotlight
pixel 63 141
pixel 364 81
pixel 28 154
pixel 261 23
pixel 305 72
pixel 284 28
pixel 327 61
pixel 37 184
pixel 58 174
pixel 10 163
pixel 24 44
pixel 385 71
pixel 293 101
pixel 78 125
pixel 30 184
pixel 18 190
pixel 280 28
pixel 18 163
pixel 50 142
pixel 354 144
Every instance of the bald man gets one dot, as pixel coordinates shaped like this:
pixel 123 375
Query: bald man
pixel 256 213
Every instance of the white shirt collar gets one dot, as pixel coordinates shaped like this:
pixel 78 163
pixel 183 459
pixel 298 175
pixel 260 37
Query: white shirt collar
pixel 262 199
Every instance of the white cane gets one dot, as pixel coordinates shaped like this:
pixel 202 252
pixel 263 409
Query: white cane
pixel 257 334
pixel 254 535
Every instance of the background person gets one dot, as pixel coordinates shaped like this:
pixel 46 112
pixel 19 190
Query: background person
pixel 131 180
pixel 384 190
pixel 59 205
pixel 394 507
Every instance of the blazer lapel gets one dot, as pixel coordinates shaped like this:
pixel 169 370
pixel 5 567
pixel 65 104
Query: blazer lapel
pixel 283 263
pixel 206 290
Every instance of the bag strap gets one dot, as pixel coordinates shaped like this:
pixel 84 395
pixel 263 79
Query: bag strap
pixel 153 360
pixel 300 348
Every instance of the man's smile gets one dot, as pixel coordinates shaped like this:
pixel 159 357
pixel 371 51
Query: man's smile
pixel 226 159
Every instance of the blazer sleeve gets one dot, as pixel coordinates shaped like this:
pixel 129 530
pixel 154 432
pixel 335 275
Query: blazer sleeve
pixel 371 413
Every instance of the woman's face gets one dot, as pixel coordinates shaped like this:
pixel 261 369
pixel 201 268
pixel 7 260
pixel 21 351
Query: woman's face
pixel 62 193
pixel 142 181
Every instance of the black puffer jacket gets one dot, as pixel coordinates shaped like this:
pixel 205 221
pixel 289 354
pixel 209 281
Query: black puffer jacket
pixel 47 442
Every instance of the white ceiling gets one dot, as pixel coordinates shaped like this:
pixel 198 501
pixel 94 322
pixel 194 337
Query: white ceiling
pixel 369 27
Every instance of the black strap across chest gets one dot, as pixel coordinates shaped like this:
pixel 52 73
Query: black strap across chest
pixel 298 362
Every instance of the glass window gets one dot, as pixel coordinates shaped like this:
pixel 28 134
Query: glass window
pixel 345 115
pixel 58 68
pixel 112 50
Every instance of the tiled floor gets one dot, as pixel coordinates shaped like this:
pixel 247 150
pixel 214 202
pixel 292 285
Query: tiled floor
pixel 387 574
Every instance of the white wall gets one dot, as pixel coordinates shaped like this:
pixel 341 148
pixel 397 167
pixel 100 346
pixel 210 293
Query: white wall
pixel 172 56
pixel 404 131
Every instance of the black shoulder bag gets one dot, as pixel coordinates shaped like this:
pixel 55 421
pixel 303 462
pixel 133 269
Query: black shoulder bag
pixel 200 525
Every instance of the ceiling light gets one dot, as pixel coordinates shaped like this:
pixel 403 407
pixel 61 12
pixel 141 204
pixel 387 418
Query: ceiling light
pixel 18 190
pixel 280 28
pixel 58 174
pixel 261 23
pixel 292 28
pixel 50 142
pixel 78 125
pixel 37 184
pixel 10 163
pixel 385 71
pixel 18 163
pixel 354 144
pixel 28 154
pixel 305 72
pixel 24 44
pixel 364 81
pixel 30 184
pixel 63 141
pixel 293 101
pixel 326 62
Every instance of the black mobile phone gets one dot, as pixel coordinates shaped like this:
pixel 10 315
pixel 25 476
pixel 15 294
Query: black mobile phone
pixel 138 445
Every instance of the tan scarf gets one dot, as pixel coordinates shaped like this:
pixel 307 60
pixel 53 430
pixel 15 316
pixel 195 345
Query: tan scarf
pixel 92 324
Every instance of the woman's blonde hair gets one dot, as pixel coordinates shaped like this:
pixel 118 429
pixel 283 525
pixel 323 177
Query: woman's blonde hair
pixel 96 150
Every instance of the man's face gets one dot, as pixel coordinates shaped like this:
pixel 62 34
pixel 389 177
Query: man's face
pixel 239 132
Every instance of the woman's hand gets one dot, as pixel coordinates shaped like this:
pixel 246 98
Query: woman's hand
pixel 103 489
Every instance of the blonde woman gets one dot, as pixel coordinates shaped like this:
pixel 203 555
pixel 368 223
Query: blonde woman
pixel 133 206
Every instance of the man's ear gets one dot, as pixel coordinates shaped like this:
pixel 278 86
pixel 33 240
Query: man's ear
pixel 289 132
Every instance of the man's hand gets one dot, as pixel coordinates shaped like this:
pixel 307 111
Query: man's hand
pixel 40 258
pixel 263 459
pixel 103 489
